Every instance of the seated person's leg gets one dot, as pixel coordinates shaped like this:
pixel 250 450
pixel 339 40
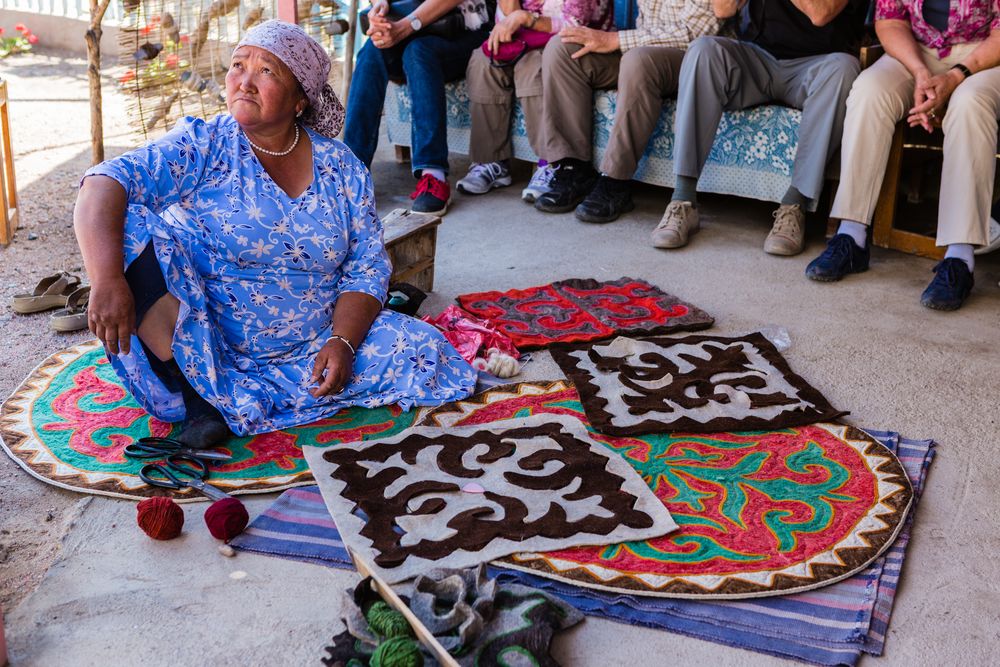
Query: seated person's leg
pixel 491 90
pixel 819 86
pixel 879 98
pixel 429 62
pixel 717 74
pixel 365 101
pixel 156 313
pixel 567 120
pixel 647 76
pixel 528 86
pixel 970 138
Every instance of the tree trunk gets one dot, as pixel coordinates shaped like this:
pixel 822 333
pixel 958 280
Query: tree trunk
pixel 93 38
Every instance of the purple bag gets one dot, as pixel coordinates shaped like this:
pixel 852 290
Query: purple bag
pixel 523 40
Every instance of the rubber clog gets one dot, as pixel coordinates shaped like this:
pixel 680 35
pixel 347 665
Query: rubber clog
pixel 51 292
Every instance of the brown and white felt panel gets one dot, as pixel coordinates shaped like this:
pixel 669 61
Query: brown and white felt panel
pixel 430 498
pixel 633 386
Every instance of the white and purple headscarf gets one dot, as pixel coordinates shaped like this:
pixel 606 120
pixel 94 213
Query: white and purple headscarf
pixel 311 66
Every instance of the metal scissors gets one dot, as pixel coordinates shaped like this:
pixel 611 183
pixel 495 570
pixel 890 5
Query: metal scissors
pixel 158 448
pixel 180 471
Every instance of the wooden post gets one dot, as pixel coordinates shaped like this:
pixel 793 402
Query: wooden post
pixel 93 38
pixel 8 188
pixel 288 10
pixel 352 31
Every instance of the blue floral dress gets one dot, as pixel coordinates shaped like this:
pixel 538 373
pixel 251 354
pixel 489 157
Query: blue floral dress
pixel 257 274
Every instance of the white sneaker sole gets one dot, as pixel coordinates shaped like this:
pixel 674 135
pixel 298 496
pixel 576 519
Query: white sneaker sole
pixel 502 182
pixel 994 243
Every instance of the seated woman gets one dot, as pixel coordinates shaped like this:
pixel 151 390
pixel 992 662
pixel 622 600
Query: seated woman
pixel 939 68
pixel 492 87
pixel 237 264
pixel 402 49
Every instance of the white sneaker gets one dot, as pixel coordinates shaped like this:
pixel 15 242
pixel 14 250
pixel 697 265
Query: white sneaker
pixel 539 183
pixel 994 242
pixel 483 177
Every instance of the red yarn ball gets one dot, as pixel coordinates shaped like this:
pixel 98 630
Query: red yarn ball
pixel 160 518
pixel 226 518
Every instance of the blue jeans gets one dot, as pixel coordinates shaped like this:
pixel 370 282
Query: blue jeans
pixel 427 62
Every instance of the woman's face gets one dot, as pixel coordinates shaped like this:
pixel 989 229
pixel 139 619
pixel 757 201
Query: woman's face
pixel 261 90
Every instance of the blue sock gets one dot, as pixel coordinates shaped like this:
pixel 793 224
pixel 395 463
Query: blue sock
pixel 962 251
pixel 856 231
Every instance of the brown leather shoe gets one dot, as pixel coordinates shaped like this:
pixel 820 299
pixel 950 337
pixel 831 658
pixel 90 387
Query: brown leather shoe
pixel 679 221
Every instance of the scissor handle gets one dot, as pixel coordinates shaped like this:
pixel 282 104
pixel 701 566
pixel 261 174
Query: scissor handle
pixel 174 470
pixel 154 448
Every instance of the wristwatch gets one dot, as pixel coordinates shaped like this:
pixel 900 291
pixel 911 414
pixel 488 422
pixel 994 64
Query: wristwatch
pixel 415 23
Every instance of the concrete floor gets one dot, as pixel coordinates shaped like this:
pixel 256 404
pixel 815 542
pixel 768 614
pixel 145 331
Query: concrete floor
pixel 111 596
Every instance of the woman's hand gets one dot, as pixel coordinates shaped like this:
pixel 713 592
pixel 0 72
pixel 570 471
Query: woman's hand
pixel 386 34
pixel 333 368
pixel 111 314
pixel 930 97
pixel 379 8
pixel 503 31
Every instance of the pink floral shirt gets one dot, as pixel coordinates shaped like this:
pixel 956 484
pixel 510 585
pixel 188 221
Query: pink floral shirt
pixel 968 21
pixel 598 14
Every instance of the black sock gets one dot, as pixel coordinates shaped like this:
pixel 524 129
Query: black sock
pixel 617 185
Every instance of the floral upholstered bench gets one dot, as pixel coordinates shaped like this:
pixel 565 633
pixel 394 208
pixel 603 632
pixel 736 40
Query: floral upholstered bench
pixel 752 156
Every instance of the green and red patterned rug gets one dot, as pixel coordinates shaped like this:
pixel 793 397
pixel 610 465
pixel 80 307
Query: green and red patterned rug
pixel 760 512
pixel 71 419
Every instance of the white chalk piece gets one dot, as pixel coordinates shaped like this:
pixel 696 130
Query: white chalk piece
pixel 237 574
pixel 227 550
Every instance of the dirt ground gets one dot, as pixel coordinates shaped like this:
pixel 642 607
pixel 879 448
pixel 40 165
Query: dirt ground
pixel 50 121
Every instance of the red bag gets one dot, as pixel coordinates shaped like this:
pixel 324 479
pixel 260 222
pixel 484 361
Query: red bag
pixel 523 40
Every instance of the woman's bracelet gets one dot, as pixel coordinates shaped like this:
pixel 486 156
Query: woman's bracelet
pixel 344 341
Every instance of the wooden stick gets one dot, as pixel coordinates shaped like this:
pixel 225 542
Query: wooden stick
pixel 93 39
pixel 385 591
pixel 352 21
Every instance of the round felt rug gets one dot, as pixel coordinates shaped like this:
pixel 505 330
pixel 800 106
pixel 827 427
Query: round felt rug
pixel 71 419
pixel 760 513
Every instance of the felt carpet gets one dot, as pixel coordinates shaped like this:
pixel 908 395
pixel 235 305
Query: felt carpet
pixel 632 386
pixel 761 513
pixel 70 421
pixel 833 625
pixel 433 498
pixel 580 310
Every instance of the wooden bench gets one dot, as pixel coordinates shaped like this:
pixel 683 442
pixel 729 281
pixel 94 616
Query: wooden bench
pixel 411 240
pixel 8 189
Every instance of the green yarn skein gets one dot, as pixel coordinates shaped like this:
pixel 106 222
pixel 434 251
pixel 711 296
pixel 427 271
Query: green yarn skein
pixel 397 652
pixel 386 622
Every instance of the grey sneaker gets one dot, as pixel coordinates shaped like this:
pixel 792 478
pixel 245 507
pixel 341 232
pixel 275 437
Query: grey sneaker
pixel 787 235
pixel 483 177
pixel 679 221
pixel 539 183
pixel 994 240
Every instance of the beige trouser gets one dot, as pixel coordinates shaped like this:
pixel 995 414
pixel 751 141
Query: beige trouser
pixel 882 96
pixel 491 102
pixel 644 77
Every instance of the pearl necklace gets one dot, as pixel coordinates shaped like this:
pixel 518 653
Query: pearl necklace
pixel 288 150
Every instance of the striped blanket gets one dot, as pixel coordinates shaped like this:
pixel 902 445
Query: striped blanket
pixel 834 625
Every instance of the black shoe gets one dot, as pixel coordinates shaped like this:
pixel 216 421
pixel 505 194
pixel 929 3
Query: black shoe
pixel 606 202
pixel 204 431
pixel 573 180
pixel 951 285
pixel 842 256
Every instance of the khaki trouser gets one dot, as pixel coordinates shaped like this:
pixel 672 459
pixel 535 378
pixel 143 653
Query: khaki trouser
pixel 491 101
pixel 644 76
pixel 882 96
